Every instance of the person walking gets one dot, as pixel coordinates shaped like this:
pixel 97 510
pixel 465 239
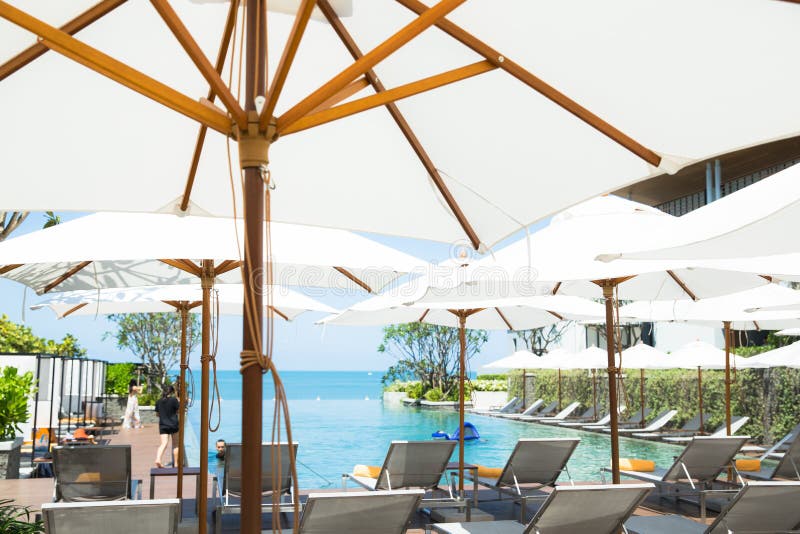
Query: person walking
pixel 131 418
pixel 167 409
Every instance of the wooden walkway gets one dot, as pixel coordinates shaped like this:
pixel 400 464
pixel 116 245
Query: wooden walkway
pixel 144 443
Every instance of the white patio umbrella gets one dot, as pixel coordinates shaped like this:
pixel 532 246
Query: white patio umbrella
pixel 183 299
pixel 113 250
pixel 788 332
pixel 747 223
pixel 788 356
pixel 326 175
pixel 503 314
pixel 564 253
pixel 526 360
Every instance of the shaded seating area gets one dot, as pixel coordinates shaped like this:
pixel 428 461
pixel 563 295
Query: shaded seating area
pixel 599 509
pixel 788 466
pixel 659 422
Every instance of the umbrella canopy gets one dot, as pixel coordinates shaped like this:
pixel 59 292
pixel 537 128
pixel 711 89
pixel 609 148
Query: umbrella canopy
pixel 788 332
pixel 288 304
pixel 788 356
pixel 156 145
pixel 125 250
pixel 749 222
pixel 525 359
pixel 713 311
pixel 705 356
pixel 642 356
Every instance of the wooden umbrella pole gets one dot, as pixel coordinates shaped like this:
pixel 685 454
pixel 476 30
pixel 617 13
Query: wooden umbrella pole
pixel 641 396
pixel 253 147
pixel 700 397
pixel 608 295
pixel 524 399
pixel 559 389
pixel 727 325
pixel 594 393
pixel 462 337
pixel 184 313
pixel 206 284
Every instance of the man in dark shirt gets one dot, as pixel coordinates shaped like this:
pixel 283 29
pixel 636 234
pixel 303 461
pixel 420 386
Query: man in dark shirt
pixel 167 408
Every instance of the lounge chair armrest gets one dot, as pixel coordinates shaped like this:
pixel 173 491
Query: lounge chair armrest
pixel 136 488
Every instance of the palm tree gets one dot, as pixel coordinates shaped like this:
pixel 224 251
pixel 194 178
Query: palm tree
pixel 51 219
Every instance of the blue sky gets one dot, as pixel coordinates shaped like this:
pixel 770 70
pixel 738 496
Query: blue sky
pixel 299 345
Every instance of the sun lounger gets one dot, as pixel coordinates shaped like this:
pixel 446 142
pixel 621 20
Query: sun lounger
pixel 599 509
pixel 530 410
pixel 96 473
pixel 659 422
pixel 585 417
pixel 534 461
pixel 721 431
pixel 634 421
pixel 689 429
pixel 788 466
pixel 758 507
pixel 227 490
pixel 379 512
pixel 600 423
pixel 778 449
pixel 560 416
pixel 153 517
pixel 410 465
pixel 694 471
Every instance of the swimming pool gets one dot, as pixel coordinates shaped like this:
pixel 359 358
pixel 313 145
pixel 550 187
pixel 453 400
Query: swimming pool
pixel 334 435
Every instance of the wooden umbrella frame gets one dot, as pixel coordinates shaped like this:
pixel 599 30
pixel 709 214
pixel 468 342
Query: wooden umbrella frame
pixel 255 132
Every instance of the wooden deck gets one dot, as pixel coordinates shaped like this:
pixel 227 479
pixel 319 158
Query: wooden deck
pixel 144 443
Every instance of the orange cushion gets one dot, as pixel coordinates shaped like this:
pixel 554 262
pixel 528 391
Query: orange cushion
pixel 636 464
pixel 80 434
pixel 748 464
pixel 489 472
pixel 369 471
pixel 88 477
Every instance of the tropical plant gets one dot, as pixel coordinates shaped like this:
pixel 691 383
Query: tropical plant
pixel 428 353
pixel 434 395
pixel 14 392
pixel 538 340
pixel 20 339
pixel 51 219
pixel 17 519
pixel 10 221
pixel 118 376
pixel 155 338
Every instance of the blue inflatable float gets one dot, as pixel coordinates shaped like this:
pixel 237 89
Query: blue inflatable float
pixel 470 433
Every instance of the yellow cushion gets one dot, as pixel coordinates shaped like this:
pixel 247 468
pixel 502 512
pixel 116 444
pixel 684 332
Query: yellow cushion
pixel 370 471
pixel 489 472
pixel 748 464
pixel 88 477
pixel 636 464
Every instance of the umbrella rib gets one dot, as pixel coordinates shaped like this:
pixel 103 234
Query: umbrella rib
pixel 104 64
pixel 556 288
pixel 200 61
pixel 424 314
pixel 503 317
pixel 390 95
pixel 73 309
pixel 227 265
pixel 201 134
pixel 72 27
pixel 184 265
pixel 65 276
pixel 401 122
pixel 10 267
pixel 285 64
pixel 681 284
pixel 347 92
pixel 353 278
pixel 538 85
pixel 425 20
pixel 556 315
pixel 278 312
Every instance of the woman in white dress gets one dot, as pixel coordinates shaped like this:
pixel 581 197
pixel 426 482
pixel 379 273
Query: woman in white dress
pixel 132 419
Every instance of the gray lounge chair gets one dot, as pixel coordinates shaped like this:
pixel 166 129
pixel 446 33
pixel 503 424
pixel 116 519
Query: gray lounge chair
pixel 379 512
pixel 659 422
pixel 533 461
pixel 153 517
pixel 599 509
pixel 780 446
pixel 788 466
pixel 737 423
pixel 560 416
pixel 696 469
pixel 600 423
pixel 690 428
pixel 227 490
pixel 758 507
pixel 584 418
pixel 530 410
pixel 94 473
pixel 634 421
pixel 511 406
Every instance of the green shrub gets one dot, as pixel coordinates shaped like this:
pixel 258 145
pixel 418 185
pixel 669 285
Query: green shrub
pixel 500 376
pixel 414 390
pixel 16 519
pixel 494 384
pixel 14 392
pixel 434 395
pixel 118 376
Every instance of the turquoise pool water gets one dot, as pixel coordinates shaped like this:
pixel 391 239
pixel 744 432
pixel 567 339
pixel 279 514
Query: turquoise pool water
pixel 334 435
